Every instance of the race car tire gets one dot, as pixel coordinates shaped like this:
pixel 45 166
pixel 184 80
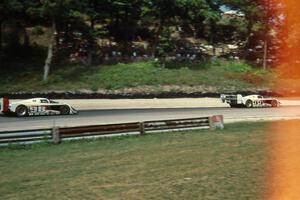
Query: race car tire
pixel 64 110
pixel 21 111
pixel 274 103
pixel 249 104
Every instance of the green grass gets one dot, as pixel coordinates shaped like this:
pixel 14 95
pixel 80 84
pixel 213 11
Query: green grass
pixel 213 76
pixel 227 165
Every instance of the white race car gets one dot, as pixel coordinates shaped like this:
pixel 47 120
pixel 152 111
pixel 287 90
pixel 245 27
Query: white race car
pixel 249 101
pixel 35 106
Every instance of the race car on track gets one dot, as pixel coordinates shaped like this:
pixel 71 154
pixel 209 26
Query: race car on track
pixel 249 101
pixel 35 106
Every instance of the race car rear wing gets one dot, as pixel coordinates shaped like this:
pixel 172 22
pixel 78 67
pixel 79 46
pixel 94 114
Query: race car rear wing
pixel 4 105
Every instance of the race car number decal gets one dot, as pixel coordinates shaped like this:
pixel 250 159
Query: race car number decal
pixel 37 109
pixel 260 103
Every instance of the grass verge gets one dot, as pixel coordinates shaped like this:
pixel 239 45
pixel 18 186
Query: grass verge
pixel 224 165
pixel 213 76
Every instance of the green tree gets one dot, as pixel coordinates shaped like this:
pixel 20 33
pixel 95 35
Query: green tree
pixel 202 16
pixel 263 22
pixel 97 12
pixel 55 11
pixel 162 14
pixel 125 16
pixel 9 9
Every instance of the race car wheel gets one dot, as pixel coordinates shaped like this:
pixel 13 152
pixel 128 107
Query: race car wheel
pixel 274 103
pixel 249 104
pixel 21 111
pixel 64 110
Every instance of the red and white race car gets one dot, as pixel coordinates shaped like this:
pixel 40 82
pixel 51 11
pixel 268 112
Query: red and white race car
pixel 35 106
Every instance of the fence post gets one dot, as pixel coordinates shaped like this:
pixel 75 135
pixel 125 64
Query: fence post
pixel 55 135
pixel 142 128
pixel 211 124
pixel 216 122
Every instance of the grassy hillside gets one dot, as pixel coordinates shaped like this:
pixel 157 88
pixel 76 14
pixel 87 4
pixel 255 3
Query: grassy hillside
pixel 202 164
pixel 218 75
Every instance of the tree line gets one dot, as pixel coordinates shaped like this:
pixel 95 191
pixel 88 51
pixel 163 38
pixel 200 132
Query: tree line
pixel 125 21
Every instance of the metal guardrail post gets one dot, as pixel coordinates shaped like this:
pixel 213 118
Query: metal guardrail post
pixel 55 135
pixel 142 128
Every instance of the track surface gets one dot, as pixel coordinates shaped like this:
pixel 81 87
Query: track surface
pixel 93 117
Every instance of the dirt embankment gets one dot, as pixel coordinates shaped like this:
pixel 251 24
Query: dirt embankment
pixel 145 92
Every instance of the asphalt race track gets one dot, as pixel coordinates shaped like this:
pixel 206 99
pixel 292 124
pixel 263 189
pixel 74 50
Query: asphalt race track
pixel 95 117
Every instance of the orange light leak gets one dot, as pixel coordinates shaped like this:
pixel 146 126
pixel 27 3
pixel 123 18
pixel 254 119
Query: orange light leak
pixel 283 161
pixel 283 166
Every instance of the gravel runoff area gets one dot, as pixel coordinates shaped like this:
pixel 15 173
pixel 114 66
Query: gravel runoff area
pixel 109 104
